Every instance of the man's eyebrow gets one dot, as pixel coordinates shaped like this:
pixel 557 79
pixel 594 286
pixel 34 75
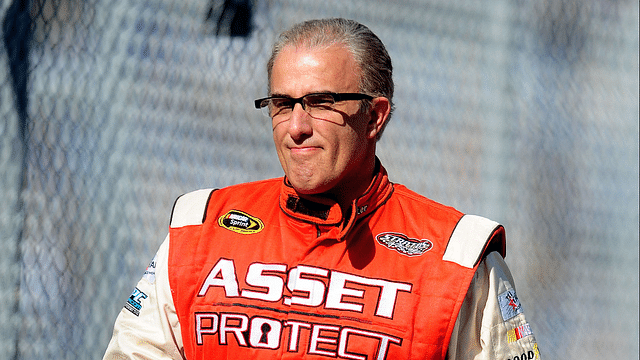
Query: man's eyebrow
pixel 280 95
pixel 291 97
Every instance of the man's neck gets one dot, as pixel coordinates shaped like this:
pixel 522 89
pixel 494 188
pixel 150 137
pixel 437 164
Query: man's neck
pixel 355 188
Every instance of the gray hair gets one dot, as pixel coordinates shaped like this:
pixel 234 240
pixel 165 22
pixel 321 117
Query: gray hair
pixel 367 49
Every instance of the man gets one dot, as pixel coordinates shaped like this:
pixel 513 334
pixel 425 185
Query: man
pixel 333 260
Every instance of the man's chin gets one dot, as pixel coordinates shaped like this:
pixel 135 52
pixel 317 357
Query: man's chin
pixel 309 188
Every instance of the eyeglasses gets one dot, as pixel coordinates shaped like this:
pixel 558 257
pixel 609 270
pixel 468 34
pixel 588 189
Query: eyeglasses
pixel 317 105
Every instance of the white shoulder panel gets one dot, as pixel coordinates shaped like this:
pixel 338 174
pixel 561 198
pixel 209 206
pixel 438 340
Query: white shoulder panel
pixel 190 208
pixel 469 239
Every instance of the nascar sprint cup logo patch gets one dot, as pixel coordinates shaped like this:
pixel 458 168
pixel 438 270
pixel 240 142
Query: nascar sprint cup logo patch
pixel 240 222
pixel 403 244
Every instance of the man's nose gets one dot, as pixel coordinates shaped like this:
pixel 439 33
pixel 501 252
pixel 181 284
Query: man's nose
pixel 299 122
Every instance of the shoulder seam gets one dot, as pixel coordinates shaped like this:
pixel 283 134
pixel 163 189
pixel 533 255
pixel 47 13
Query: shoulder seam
pixel 406 192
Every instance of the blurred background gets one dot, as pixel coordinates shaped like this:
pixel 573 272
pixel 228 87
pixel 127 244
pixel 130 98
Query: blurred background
pixel 524 111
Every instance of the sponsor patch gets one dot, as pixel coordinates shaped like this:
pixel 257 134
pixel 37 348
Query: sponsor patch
pixel 150 272
pixel 403 244
pixel 509 304
pixel 134 302
pixel 519 333
pixel 529 355
pixel 240 222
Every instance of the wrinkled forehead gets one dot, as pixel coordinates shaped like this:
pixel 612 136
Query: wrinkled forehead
pixel 331 61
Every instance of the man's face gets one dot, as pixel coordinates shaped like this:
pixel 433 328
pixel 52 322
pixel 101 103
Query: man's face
pixel 332 155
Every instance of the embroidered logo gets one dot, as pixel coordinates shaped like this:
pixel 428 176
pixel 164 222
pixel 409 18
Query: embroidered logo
pixel 134 302
pixel 403 244
pixel 519 332
pixel 150 272
pixel 509 304
pixel 240 222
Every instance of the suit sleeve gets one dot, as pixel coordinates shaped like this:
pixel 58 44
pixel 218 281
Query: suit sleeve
pixel 147 327
pixel 491 323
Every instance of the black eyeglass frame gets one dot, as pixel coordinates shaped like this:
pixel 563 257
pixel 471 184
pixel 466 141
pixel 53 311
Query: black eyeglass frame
pixel 260 103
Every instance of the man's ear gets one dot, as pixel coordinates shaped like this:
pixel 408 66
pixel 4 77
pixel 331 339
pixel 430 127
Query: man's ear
pixel 379 111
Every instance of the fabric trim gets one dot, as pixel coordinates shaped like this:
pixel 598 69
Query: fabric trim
pixel 190 208
pixel 469 240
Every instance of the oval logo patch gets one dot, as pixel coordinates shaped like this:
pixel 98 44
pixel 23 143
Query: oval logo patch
pixel 240 222
pixel 403 244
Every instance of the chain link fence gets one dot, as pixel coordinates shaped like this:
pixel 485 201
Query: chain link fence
pixel 523 111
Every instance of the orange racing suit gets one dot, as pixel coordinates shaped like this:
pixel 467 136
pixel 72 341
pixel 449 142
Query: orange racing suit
pixel 255 271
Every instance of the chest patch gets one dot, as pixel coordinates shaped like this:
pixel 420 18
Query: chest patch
pixel 403 244
pixel 240 222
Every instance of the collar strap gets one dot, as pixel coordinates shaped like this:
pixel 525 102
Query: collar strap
pixel 307 207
